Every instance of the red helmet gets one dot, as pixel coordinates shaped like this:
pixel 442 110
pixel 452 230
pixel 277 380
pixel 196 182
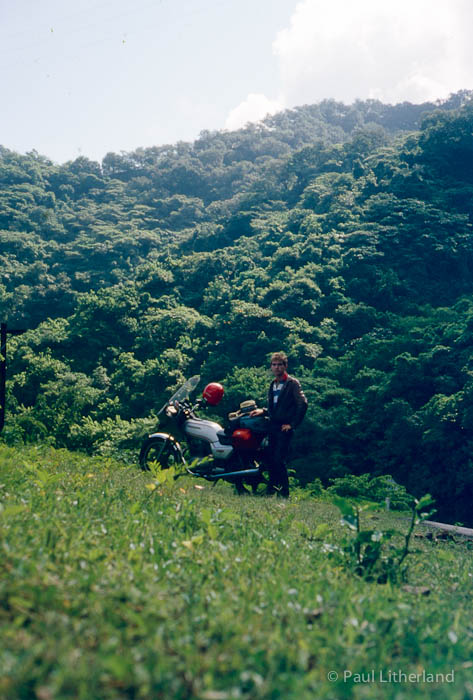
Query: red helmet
pixel 213 393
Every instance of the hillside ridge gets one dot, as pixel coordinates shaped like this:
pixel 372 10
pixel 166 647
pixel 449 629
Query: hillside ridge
pixel 350 247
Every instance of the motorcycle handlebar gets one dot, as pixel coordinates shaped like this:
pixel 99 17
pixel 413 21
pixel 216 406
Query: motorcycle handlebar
pixel 185 405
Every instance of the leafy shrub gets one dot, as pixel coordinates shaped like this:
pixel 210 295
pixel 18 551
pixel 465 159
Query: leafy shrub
pixel 112 436
pixel 315 487
pixel 376 489
pixel 24 427
pixel 304 491
pixel 369 553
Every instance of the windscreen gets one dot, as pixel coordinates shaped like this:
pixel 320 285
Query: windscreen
pixel 183 392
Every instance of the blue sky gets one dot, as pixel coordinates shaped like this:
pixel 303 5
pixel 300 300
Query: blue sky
pixel 88 77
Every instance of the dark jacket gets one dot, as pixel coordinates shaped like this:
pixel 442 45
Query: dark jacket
pixel 291 406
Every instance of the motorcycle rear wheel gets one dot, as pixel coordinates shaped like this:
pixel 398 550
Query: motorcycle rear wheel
pixel 161 451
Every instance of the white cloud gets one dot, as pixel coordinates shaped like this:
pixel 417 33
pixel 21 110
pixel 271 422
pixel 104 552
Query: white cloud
pixel 253 109
pixel 405 50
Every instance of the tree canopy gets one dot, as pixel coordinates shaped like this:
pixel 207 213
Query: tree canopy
pixel 342 234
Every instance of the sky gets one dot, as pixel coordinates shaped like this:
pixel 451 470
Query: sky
pixel 86 77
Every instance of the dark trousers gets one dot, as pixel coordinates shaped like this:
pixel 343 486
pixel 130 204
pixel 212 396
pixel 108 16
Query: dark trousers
pixel 279 443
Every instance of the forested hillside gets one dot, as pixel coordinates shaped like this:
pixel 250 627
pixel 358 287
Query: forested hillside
pixel 342 234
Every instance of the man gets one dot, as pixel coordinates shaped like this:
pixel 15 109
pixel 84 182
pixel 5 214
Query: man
pixel 286 409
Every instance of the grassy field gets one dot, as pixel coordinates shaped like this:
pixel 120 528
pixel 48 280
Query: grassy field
pixel 114 586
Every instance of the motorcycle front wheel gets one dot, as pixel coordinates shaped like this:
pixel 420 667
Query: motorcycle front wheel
pixel 160 450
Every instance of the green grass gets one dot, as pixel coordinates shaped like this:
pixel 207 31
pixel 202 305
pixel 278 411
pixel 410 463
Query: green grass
pixel 110 589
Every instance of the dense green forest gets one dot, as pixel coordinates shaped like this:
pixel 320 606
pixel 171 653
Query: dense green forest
pixel 342 234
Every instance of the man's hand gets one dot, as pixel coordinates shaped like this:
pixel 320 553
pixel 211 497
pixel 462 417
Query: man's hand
pixel 257 412
pixel 286 427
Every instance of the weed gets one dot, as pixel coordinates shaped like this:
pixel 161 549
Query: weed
pixel 370 553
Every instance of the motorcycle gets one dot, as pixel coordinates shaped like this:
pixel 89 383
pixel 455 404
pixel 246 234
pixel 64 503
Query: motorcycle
pixel 236 455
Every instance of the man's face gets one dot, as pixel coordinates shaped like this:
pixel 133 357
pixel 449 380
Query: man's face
pixel 278 368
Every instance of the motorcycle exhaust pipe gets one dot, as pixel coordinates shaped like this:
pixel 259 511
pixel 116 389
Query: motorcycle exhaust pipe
pixel 224 475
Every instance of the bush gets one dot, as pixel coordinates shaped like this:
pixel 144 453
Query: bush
pixel 112 436
pixel 315 487
pixel 377 489
pixel 371 553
